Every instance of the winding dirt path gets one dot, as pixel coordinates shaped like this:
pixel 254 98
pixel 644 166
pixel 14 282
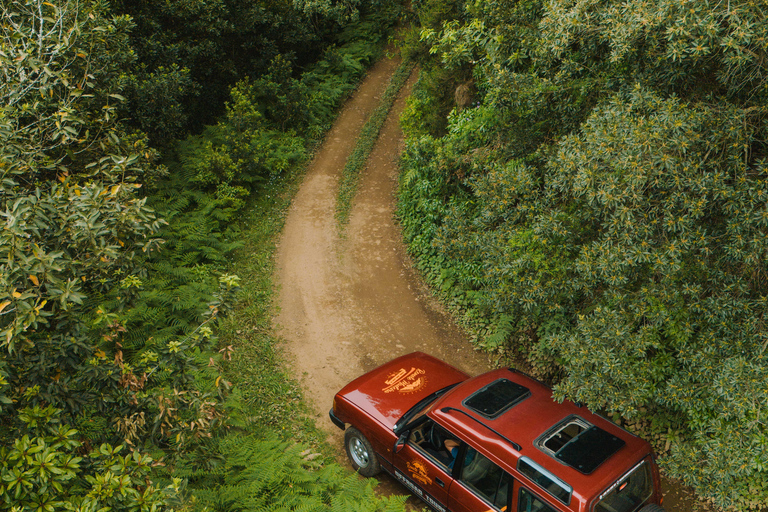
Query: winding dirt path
pixel 348 305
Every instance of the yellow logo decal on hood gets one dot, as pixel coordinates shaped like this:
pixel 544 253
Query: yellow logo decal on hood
pixel 406 381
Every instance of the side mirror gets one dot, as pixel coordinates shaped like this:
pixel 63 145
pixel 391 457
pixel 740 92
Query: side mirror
pixel 401 441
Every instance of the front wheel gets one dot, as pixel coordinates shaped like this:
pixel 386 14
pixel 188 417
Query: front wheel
pixel 652 508
pixel 360 453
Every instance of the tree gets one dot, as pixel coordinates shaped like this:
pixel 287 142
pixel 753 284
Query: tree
pixel 673 264
pixel 192 52
pixel 602 212
pixel 73 222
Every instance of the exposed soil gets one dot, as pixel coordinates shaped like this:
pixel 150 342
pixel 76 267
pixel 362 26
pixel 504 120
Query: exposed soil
pixel 349 304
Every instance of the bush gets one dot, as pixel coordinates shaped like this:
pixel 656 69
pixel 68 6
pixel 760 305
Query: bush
pixel 601 214
pixel 47 469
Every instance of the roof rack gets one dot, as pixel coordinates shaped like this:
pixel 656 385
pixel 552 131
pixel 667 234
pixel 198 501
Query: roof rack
pixel 516 446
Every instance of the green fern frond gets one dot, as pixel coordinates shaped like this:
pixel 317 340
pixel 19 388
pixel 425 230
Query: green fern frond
pixel 270 474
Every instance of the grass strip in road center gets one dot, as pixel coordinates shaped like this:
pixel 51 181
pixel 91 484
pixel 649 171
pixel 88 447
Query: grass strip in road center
pixel 350 176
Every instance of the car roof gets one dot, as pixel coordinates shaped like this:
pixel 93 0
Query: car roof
pixel 514 432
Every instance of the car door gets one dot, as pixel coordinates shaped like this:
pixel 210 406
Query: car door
pixel 480 485
pixel 424 464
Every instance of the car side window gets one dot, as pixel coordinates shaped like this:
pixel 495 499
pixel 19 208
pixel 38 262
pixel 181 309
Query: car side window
pixel 486 479
pixel 530 503
pixel 435 441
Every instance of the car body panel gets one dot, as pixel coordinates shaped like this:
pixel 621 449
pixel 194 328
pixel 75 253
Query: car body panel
pixel 423 477
pixel 386 393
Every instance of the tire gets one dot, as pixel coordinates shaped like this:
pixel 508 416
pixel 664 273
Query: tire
pixel 360 453
pixel 652 508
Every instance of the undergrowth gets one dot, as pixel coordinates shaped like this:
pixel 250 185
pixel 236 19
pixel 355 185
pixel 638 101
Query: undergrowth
pixel 273 455
pixel 271 398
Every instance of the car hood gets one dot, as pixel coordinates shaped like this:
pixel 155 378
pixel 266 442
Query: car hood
pixel 393 388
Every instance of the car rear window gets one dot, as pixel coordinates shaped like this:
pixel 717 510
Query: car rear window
pixel 628 493
pixel 496 397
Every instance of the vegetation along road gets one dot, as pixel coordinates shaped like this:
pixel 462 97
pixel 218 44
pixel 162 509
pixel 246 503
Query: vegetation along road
pixel 585 184
pixel 351 301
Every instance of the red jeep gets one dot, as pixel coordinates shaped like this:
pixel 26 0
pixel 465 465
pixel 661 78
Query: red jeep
pixel 493 442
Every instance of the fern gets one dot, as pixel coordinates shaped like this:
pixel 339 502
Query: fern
pixel 270 475
pixel 505 326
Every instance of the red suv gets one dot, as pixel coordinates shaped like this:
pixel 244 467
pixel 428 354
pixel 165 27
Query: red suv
pixel 493 442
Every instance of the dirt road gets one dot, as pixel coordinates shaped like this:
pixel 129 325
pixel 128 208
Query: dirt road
pixel 350 304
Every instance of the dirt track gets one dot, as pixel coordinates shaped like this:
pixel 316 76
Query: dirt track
pixel 348 305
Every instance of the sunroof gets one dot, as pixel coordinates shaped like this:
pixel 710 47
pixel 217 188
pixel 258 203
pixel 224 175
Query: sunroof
pixel 589 449
pixel 496 397
pixel 579 444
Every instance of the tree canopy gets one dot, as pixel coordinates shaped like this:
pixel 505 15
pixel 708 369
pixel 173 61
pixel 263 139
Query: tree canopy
pixel 604 202
pixel 119 213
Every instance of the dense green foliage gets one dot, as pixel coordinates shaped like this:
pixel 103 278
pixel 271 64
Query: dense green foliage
pixel 73 221
pixel 190 52
pixel 48 469
pixel 113 266
pixel 273 475
pixel 600 210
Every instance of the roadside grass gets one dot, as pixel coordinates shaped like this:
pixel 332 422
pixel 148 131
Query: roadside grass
pixel 267 396
pixel 267 402
pixel 350 175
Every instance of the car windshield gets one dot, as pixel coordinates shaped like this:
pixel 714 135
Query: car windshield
pixel 419 409
pixel 629 492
